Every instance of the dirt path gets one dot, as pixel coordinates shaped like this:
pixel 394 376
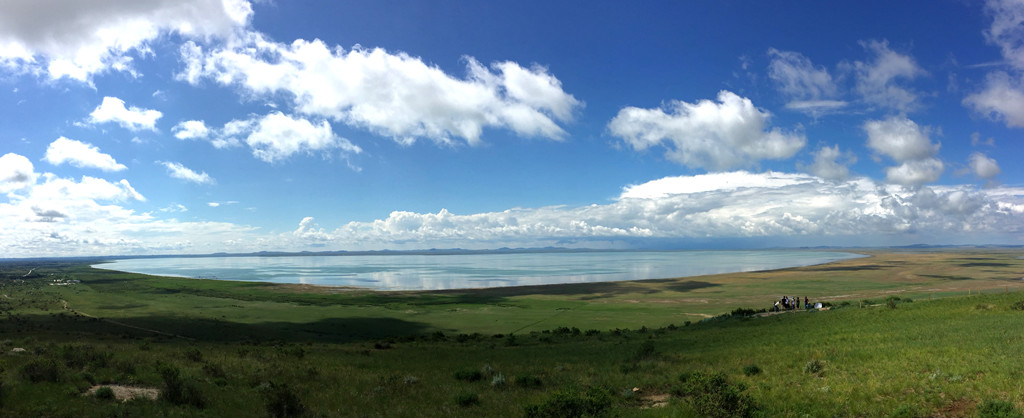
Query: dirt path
pixel 67 307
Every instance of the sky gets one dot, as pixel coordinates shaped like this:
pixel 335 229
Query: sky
pixel 199 126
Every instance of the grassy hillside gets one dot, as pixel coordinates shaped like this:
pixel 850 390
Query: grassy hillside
pixel 245 349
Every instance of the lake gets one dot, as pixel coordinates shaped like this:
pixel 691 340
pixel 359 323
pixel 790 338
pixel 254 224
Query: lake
pixel 459 271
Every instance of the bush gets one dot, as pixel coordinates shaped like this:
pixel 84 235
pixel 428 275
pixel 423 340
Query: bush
pixel 105 393
pixel 41 370
pixel 467 399
pixel 468 375
pixel 743 312
pixel 711 395
pixel 1018 305
pixel 193 353
pixel 814 366
pixel 645 351
pixel 282 401
pixel 751 370
pixel 569 402
pixel 527 381
pixel 180 391
pixel 998 409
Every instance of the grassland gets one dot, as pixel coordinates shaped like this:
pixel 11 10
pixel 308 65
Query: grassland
pixel 903 339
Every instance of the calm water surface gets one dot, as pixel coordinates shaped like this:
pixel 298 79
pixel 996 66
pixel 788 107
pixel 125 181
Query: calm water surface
pixel 424 272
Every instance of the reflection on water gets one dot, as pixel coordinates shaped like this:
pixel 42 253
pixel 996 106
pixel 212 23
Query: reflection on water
pixel 427 272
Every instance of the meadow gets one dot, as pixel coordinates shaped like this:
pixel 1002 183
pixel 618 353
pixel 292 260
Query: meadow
pixel 932 333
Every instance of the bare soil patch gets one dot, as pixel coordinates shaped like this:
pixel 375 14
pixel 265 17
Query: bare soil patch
pixel 126 393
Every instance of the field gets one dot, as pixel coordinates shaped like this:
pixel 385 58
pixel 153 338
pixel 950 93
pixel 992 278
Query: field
pixel 909 334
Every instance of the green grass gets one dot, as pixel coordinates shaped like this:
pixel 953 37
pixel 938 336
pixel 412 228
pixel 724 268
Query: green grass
pixel 245 349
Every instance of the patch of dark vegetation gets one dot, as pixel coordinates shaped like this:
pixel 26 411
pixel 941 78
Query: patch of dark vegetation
pixel 997 408
pixel 745 312
pixel 944 277
pixel 467 399
pixel 180 390
pixel 571 402
pixel 527 381
pixel 282 401
pixel 1018 305
pixel 711 395
pixel 690 285
pixel 751 370
pixel 985 264
pixel 41 370
pixel 847 268
pixel 468 375
pixel 815 367
pixel 105 393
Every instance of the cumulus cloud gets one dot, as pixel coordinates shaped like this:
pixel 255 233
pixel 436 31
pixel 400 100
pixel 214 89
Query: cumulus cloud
pixel 908 144
pixel 277 136
pixel 191 129
pixel 982 166
pixel 132 118
pixel 808 88
pixel 80 154
pixel 729 204
pixel 1001 98
pixel 179 171
pixel 731 133
pixel 878 81
pixel 827 163
pixel 16 173
pixel 392 94
pixel 88 38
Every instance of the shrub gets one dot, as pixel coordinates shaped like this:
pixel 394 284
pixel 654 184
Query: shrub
pixel 282 401
pixel 467 399
pixel 468 375
pixel 998 409
pixel 41 370
pixel 105 393
pixel 645 351
pixel 591 332
pixel 527 381
pixel 711 395
pixel 814 366
pixel 178 390
pixel 193 353
pixel 743 312
pixel 569 402
pixel 751 369
pixel 1018 305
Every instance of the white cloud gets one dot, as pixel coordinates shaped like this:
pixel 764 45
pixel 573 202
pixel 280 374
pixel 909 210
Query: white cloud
pixel 16 173
pixel 915 172
pixel 908 144
pixel 877 81
pixel 721 205
pixel 715 136
pixel 899 138
pixel 112 109
pixel 808 88
pixel 80 154
pixel 1007 30
pixel 826 164
pixel 1001 98
pixel 181 172
pixel 191 129
pixel 392 94
pixel 277 136
pixel 77 40
pixel 983 166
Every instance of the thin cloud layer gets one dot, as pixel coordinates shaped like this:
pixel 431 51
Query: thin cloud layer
pixel 808 88
pixel 1001 96
pixel 729 134
pixel 879 81
pixel 273 137
pixel 391 94
pixel 179 171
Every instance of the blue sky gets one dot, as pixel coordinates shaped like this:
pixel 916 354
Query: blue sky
pixel 202 126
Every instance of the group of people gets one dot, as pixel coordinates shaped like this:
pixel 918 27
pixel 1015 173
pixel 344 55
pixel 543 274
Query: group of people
pixel 790 303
